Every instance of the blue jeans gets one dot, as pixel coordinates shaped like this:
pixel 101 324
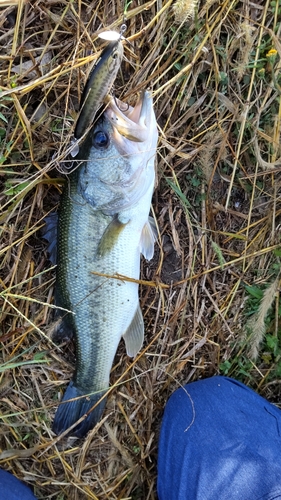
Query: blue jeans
pixel 12 488
pixel 219 440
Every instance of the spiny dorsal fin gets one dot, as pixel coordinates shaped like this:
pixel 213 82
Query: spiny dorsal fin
pixel 50 233
pixel 134 334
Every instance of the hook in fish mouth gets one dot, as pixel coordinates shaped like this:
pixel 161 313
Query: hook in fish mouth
pixel 132 123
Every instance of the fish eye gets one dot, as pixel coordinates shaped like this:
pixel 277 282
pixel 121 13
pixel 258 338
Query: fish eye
pixel 100 139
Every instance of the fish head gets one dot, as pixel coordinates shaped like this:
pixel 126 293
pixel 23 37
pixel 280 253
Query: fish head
pixel 119 153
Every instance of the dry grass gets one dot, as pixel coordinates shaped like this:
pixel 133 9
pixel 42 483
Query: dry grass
pixel 216 85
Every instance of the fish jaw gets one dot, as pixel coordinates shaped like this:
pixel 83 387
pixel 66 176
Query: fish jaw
pixel 135 123
pixel 130 171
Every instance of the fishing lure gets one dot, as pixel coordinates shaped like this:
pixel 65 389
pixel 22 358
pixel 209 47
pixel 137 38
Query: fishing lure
pixel 100 80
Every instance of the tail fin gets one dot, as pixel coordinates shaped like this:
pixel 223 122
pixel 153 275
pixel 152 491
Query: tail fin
pixel 69 412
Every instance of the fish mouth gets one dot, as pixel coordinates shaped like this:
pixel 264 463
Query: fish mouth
pixel 133 123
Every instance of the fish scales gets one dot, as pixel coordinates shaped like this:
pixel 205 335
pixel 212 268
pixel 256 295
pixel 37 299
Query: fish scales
pixel 101 304
pixel 103 227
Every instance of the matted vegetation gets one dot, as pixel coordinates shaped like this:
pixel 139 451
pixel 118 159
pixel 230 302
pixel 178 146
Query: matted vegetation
pixel 210 297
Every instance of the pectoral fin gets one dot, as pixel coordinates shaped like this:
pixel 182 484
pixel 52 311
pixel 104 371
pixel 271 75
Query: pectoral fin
pixel 148 237
pixel 110 236
pixel 134 334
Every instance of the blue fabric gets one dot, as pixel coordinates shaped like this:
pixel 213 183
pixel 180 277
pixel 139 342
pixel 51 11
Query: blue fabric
pixel 12 488
pixel 219 440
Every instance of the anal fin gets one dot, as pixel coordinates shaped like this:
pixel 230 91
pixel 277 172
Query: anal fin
pixel 148 237
pixel 134 334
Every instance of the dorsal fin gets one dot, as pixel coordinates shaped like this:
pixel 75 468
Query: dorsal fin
pixel 50 233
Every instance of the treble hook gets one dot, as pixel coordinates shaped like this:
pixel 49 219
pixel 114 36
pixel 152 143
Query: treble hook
pixel 118 105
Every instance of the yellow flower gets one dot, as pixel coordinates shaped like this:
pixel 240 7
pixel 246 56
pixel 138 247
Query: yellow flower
pixel 271 57
pixel 272 53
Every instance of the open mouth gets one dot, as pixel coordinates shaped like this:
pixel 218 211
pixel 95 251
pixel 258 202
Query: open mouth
pixel 131 122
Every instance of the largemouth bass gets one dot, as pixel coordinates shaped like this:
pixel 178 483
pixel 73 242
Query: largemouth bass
pixel 104 227
pixel 98 85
